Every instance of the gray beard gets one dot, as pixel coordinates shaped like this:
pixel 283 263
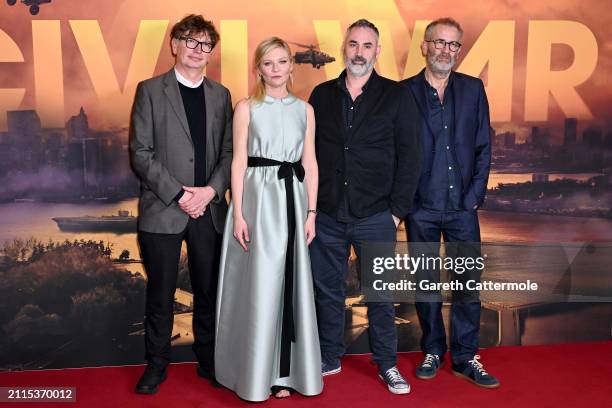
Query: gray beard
pixel 437 69
pixel 359 70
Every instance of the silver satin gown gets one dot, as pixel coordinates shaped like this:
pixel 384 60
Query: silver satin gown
pixel 250 294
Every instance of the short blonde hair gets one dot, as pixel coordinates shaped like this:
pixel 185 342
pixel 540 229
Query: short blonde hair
pixel 267 45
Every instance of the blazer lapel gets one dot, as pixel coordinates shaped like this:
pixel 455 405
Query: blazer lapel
pixel 210 100
pixel 174 97
pixel 417 85
pixel 458 92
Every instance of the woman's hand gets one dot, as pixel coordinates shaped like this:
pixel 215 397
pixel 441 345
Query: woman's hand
pixel 241 233
pixel 309 228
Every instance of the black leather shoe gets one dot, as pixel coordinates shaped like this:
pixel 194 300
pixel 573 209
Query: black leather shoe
pixel 150 379
pixel 209 375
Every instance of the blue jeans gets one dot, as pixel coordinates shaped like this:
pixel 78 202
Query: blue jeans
pixel 425 226
pixel 329 253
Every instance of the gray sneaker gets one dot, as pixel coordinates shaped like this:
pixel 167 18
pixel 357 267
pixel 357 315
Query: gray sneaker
pixel 429 367
pixel 395 382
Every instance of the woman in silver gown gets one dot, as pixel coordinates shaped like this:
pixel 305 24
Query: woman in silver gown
pixel 266 332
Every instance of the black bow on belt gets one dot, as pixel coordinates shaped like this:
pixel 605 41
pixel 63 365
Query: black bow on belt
pixel 286 171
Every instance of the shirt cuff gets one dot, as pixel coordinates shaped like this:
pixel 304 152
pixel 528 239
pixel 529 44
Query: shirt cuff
pixel 179 195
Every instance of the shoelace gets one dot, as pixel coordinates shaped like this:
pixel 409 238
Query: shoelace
pixel 478 365
pixel 394 376
pixel 429 359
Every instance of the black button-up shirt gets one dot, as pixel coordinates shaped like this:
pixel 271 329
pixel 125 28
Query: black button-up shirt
pixel 350 111
pixel 381 169
pixel 444 190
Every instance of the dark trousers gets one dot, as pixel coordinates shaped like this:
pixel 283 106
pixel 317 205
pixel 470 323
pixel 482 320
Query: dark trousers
pixel 329 253
pixel 161 254
pixel 424 229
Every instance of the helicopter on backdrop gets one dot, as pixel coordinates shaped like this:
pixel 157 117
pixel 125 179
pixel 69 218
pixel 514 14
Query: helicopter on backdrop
pixel 33 4
pixel 313 56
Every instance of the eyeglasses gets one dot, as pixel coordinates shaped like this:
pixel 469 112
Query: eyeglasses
pixel 440 44
pixel 191 43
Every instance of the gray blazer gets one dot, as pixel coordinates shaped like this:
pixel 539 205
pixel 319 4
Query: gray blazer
pixel 162 154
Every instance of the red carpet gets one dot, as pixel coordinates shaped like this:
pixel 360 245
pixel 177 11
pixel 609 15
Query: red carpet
pixel 572 375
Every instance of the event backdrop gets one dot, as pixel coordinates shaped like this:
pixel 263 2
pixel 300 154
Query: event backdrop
pixel 71 279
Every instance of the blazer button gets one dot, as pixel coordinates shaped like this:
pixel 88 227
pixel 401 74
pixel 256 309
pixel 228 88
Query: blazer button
pixel 191 160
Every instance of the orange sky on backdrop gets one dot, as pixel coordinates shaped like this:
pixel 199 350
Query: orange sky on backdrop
pixel 293 20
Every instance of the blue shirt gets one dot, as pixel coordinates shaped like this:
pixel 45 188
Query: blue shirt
pixel 444 190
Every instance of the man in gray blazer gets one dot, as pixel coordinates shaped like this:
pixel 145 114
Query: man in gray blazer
pixel 181 149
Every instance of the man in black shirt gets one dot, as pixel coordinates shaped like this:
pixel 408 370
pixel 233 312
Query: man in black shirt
pixel 181 149
pixel 368 155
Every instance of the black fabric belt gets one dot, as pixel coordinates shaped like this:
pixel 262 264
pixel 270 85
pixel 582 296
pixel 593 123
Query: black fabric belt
pixel 286 171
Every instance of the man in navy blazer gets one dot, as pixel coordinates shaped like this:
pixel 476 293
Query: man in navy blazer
pixel 456 158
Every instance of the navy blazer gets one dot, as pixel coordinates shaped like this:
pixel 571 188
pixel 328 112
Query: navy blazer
pixel 471 136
